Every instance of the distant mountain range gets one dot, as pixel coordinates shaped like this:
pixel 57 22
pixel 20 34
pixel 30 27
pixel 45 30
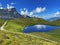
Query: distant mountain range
pixel 10 13
pixel 53 19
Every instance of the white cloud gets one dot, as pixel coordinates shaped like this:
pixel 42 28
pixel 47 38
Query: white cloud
pixel 1 6
pixel 13 3
pixel 9 6
pixel 57 14
pixel 24 11
pixel 39 10
pixel 31 13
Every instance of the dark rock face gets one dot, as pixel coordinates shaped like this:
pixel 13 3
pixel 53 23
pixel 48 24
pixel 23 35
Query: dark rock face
pixel 10 13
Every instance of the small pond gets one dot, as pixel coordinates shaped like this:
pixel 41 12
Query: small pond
pixel 39 28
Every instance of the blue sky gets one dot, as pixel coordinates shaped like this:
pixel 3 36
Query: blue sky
pixel 40 8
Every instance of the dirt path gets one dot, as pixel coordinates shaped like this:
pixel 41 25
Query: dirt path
pixel 2 27
pixel 40 37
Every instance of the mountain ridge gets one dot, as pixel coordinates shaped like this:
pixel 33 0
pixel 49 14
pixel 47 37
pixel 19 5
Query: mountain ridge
pixel 53 19
pixel 10 13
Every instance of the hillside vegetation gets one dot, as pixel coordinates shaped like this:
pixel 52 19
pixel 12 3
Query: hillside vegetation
pixel 55 33
pixel 52 35
pixel 55 23
pixel 9 38
pixel 18 25
pixel 2 22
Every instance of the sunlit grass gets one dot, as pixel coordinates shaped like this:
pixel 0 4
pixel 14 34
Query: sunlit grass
pixel 52 35
pixel 9 38
pixel 19 24
pixel 55 33
pixel 2 22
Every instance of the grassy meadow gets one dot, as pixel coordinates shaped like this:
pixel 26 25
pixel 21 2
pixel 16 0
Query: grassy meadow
pixel 14 28
pixel 10 38
pixel 2 21
pixel 17 25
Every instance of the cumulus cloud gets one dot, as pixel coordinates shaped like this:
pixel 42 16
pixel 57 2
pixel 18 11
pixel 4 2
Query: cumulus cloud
pixel 1 6
pixel 39 10
pixel 57 14
pixel 13 3
pixel 24 11
pixel 9 6
pixel 31 13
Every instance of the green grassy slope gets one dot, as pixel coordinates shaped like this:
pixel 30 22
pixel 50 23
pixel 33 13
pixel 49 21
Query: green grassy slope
pixel 52 35
pixel 55 33
pixel 43 34
pixel 2 22
pixel 9 38
pixel 55 23
pixel 19 24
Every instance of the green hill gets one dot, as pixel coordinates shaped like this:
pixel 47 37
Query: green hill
pixel 9 38
pixel 18 25
pixel 2 22
pixel 55 23
pixel 52 35
pixel 43 34
pixel 55 33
